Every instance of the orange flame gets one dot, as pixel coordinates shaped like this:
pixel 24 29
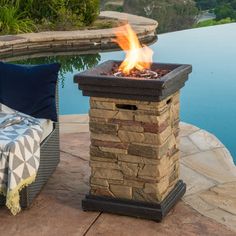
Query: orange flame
pixel 137 57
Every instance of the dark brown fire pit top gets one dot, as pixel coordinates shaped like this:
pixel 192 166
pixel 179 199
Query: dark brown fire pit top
pixel 99 82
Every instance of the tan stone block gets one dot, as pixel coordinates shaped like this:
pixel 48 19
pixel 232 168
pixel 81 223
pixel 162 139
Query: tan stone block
pixel 94 158
pixel 140 195
pixel 106 173
pixel 130 137
pixel 134 183
pixel 155 128
pixel 102 164
pixel 102 104
pixel 148 171
pixel 99 113
pixel 124 115
pixel 104 137
pixel 115 181
pixel 113 150
pixel 97 152
pixel 157 139
pixel 101 191
pixel 98 120
pixel 133 128
pixel 129 158
pixel 97 181
pixel 128 169
pixel 118 145
pixel 121 191
pixel 152 119
pixel 149 151
pixel 136 159
pixel 103 128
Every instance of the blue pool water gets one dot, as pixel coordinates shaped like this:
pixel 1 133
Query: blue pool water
pixel 209 98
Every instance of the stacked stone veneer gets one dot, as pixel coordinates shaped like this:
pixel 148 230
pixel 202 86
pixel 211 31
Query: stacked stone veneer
pixel 134 154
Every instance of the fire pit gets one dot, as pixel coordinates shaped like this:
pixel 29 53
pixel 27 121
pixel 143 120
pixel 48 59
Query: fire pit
pixel 134 126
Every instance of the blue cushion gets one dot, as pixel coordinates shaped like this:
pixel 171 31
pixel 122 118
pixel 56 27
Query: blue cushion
pixel 30 89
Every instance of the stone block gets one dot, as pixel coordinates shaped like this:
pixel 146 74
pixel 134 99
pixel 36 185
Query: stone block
pixel 134 128
pixel 106 173
pixel 101 191
pixel 149 151
pixel 152 119
pixel 129 169
pixel 102 164
pixel 103 128
pixel 100 182
pixel 124 115
pixel 100 113
pixel 104 137
pixel 102 104
pixel 121 191
pixel 96 152
pixel 99 143
pixel 113 150
pixel 148 172
pixel 133 183
pixel 157 139
pixel 130 137
pixel 136 159
pixel 154 128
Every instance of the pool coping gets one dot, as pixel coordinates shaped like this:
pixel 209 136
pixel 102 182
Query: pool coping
pixel 80 40
pixel 210 191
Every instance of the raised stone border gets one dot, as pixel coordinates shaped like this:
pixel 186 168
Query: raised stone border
pixel 81 40
pixel 206 167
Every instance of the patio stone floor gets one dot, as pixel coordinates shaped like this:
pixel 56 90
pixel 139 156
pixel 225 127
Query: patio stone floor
pixel 208 207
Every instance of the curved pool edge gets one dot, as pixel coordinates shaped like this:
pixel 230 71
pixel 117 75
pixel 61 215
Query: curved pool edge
pixel 81 40
pixel 206 166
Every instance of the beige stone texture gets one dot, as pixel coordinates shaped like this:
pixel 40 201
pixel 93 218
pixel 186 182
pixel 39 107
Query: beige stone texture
pixel 121 191
pixel 124 115
pixel 106 173
pixel 113 150
pixel 97 181
pixel 204 141
pixel 129 169
pixel 102 164
pixel 213 164
pixel 134 128
pixel 157 139
pixel 130 137
pixel 104 137
pixel 100 113
pixel 151 118
pixel 102 105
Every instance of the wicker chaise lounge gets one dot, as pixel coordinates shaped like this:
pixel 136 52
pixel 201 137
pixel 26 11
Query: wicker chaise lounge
pixel 39 83
pixel 49 159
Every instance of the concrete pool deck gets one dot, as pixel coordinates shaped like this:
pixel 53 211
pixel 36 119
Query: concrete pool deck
pixel 208 207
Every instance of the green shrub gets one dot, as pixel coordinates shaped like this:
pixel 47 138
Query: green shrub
pixel 214 22
pixel 58 13
pixel 12 21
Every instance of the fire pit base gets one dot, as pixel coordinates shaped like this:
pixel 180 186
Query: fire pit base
pixel 133 208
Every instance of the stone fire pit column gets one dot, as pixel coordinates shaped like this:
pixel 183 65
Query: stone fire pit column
pixel 134 154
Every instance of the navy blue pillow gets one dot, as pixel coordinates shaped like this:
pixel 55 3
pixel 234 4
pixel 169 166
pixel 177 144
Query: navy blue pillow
pixel 30 89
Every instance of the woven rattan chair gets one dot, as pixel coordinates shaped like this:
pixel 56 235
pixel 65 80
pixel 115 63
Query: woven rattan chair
pixel 49 159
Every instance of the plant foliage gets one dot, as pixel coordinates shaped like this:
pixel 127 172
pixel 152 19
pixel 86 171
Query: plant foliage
pixel 22 15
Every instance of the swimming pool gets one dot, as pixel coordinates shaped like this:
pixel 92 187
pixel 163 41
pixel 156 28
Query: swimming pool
pixel 209 98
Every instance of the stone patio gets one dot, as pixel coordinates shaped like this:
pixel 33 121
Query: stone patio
pixel 208 207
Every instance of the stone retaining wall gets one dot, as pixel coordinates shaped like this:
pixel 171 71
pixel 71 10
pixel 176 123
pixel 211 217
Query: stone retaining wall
pixel 80 40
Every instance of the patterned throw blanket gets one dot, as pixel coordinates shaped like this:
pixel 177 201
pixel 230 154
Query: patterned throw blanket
pixel 20 137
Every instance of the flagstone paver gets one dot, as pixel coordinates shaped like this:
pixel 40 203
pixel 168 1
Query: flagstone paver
pixel 57 210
